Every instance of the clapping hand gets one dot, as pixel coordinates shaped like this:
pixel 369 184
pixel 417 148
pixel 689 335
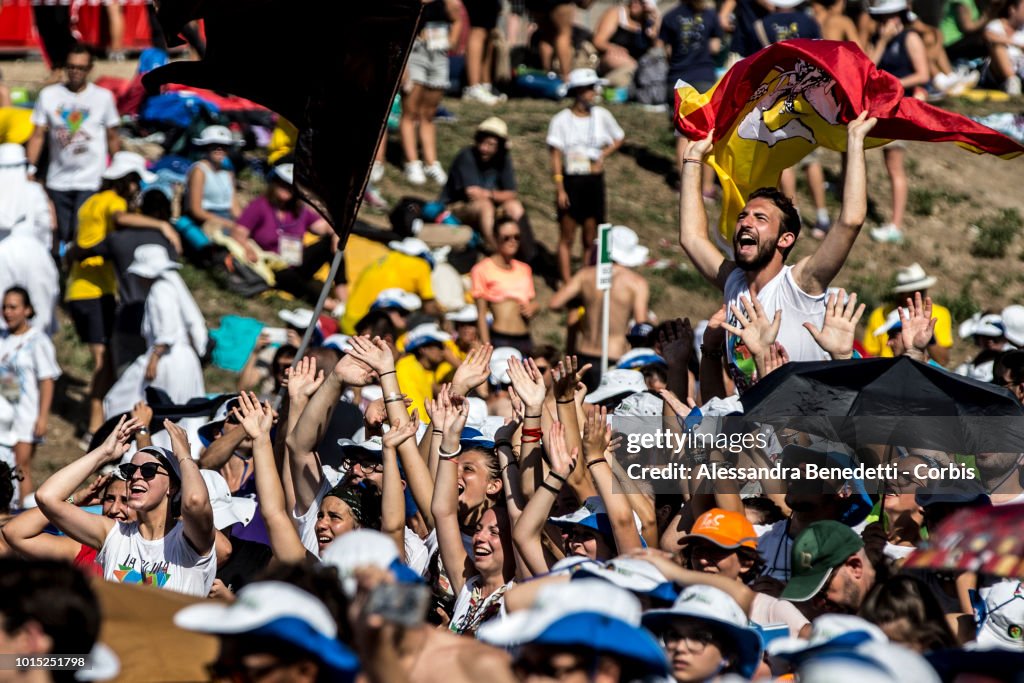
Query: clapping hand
pixel 528 383
pixel 757 332
pixel 118 442
pixel 256 419
pixel 562 461
pixel 353 372
pixel 918 326
pixel 840 327
pixel 597 433
pixel 303 379
pixel 566 376
pixel 675 342
pixel 396 436
pixel 374 353
pixel 474 371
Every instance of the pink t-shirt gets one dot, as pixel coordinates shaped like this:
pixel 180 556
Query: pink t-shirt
pixel 494 284
pixel 266 225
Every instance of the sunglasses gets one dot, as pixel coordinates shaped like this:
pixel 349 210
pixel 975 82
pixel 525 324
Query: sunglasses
pixel 511 238
pixel 147 470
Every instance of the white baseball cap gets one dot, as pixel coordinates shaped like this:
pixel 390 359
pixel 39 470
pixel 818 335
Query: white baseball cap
pixel 466 314
pixel 616 383
pixel 396 297
pixel 584 78
pixel 499 364
pixel 427 333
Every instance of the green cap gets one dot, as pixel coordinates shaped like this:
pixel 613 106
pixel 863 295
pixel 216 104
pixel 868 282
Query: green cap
pixel 817 550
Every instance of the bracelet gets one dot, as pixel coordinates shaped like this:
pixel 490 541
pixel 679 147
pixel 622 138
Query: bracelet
pixel 382 374
pixel 448 456
pixel 571 400
pixel 549 487
pixel 693 161
pixel 499 444
pixel 142 430
pixel 395 398
pixel 557 476
pixel 558 177
pixel 596 461
pixel 532 416
pixel 439 431
pixel 532 434
pixel 510 463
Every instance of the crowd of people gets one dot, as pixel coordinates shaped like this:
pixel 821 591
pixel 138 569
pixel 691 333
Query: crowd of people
pixel 407 485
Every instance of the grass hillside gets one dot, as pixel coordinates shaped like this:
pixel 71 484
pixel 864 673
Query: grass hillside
pixel 963 226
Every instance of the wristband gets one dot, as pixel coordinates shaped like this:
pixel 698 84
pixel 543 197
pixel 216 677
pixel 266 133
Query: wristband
pixel 549 487
pixel 596 461
pixel 532 416
pixel 558 177
pixel 448 456
pixel 571 400
pixel 389 372
pixel 557 476
pixel 31 169
pixel 532 434
pixel 693 161
pixel 499 444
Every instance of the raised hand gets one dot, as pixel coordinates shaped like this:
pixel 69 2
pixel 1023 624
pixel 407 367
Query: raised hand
pixel 675 342
pixel 700 149
pixel 456 411
pixel 396 437
pixel 255 419
pixel 839 330
pixel 678 407
pixel 93 494
pixel 562 461
pixel 775 359
pixel 142 413
pixel 304 379
pixel 118 442
pixel 353 372
pixel 757 331
pixel 858 129
pixel 566 376
pixel 373 352
pixel 474 371
pixel 179 440
pixel 597 433
pixel 528 383
pixel 714 335
pixel 507 431
pixel 918 324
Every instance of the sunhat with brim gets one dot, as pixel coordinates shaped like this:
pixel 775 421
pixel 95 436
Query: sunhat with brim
pixel 365 548
pixel 372 447
pixel 829 631
pixel 151 261
pixel 635 575
pixel 626 249
pixel 638 358
pixel 300 318
pixel 466 314
pixel 274 609
pixel 724 528
pixel 396 297
pixel 617 383
pixel 978 325
pixel 124 163
pixel 215 135
pixel 283 172
pixel 817 551
pixel 493 126
pixel 640 404
pixel 499 364
pixel 589 613
pixel 787 4
pixel 892 324
pixel 583 78
pixel 12 154
pixel 427 333
pixel 227 509
pixel 912 278
pixel 1013 324
pixel 716 608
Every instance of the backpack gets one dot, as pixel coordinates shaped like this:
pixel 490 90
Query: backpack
pixel 235 276
pixel 650 78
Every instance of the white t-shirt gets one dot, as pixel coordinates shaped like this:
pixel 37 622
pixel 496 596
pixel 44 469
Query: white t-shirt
pixel 781 292
pixel 169 562
pixel 416 556
pixel 766 610
pixel 25 360
pixel 78 124
pixel 581 138
pixel 1015 51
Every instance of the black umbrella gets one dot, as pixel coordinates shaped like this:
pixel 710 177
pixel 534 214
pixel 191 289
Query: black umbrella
pixel 896 401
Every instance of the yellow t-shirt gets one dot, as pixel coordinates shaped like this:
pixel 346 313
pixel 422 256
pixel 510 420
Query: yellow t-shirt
pixel 15 125
pixel 410 273
pixel 94 277
pixel 417 382
pixel 877 346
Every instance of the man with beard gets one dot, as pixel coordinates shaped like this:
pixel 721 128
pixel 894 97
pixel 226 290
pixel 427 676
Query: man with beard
pixel 831 570
pixel 1001 476
pixel 766 231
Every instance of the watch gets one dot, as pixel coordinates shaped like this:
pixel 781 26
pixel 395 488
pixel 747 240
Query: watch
pixel 142 430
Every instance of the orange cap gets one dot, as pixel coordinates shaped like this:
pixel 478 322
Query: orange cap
pixel 724 528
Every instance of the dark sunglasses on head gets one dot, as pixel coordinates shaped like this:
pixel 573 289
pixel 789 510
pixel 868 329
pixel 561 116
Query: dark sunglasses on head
pixel 147 470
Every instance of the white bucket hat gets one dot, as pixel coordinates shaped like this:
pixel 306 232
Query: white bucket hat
pixel 626 249
pixel 584 78
pixel 227 509
pixel 151 261
pixel 215 135
pixel 1013 324
pixel 912 278
pixel 124 163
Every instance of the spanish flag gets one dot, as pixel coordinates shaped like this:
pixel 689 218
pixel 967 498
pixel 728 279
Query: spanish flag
pixel 773 108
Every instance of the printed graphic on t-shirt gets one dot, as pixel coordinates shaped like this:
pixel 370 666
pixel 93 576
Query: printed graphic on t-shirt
pixel 785 31
pixel 133 570
pixel 691 33
pixel 74 119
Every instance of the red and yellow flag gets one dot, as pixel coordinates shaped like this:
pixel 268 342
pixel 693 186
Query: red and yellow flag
pixel 773 108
